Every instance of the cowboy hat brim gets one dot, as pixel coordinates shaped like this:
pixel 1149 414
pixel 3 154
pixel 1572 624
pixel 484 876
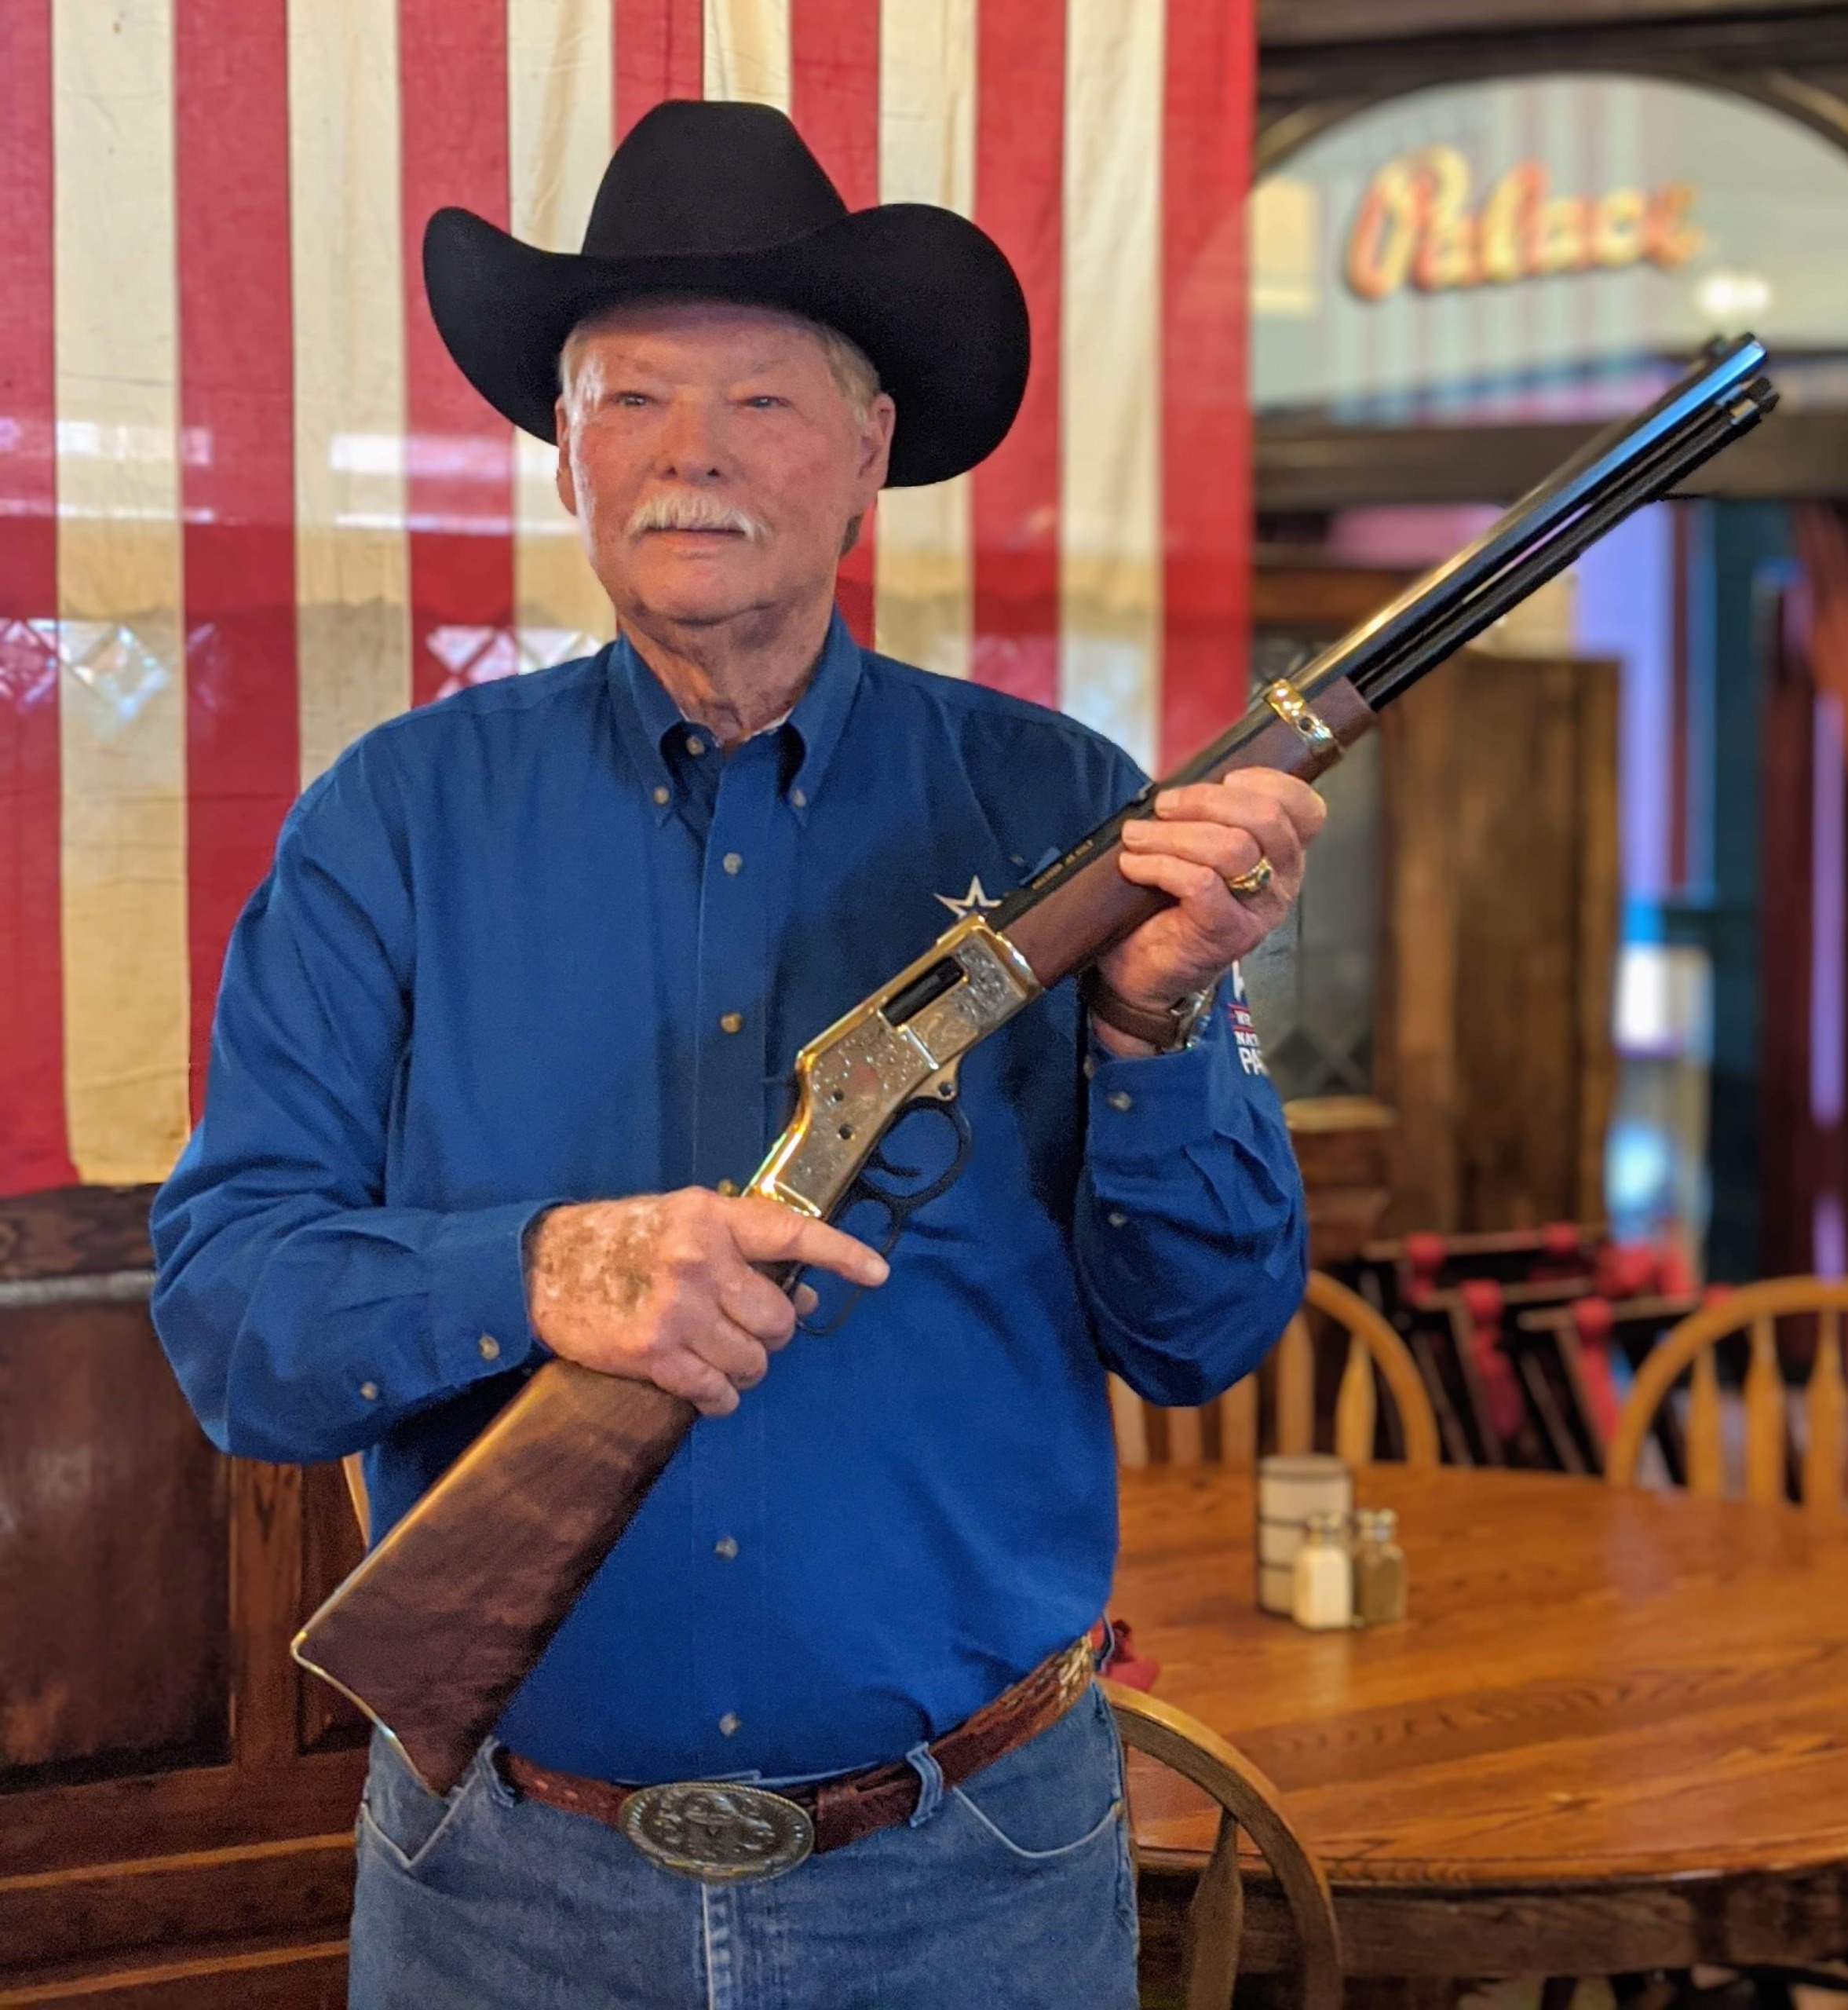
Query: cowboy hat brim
pixel 929 297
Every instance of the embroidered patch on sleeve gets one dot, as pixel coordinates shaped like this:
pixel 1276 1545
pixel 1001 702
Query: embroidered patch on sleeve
pixel 1243 1032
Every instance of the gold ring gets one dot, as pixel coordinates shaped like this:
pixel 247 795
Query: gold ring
pixel 1246 885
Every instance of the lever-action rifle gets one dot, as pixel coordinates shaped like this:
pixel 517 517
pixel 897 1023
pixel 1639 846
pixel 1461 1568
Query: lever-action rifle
pixel 435 1629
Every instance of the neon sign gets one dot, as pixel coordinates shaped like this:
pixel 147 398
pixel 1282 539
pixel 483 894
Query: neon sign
pixel 1415 227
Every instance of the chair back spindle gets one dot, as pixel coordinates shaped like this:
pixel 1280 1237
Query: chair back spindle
pixel 1689 1348
pixel 1827 1405
pixel 1186 1438
pixel 1707 1453
pixel 353 1469
pixel 1764 1419
pixel 1238 1425
pixel 1356 1407
pixel 1296 1388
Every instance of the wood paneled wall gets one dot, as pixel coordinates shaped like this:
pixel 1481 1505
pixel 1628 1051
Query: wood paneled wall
pixel 1492 1034
pixel 176 1800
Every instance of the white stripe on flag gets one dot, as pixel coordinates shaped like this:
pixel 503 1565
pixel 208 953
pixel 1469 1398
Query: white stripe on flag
pixel 560 80
pixel 122 691
pixel 352 567
pixel 747 50
pixel 1110 374
pixel 924 591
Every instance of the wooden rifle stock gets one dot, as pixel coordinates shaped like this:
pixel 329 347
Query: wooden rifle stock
pixel 434 1631
pixel 437 1627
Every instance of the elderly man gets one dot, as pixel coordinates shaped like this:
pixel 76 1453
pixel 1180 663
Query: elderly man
pixel 511 1020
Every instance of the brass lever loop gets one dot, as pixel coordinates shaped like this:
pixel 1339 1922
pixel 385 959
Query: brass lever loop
pixel 1290 706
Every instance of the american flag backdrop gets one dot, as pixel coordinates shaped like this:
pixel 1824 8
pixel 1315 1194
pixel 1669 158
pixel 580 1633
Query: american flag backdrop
pixel 248 508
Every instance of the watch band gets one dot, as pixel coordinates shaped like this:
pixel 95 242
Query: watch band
pixel 1166 1031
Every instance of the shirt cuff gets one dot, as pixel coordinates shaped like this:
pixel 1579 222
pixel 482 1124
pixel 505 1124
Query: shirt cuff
pixel 477 1299
pixel 1143 1105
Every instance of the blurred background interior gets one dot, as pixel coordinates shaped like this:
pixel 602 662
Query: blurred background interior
pixel 1560 1021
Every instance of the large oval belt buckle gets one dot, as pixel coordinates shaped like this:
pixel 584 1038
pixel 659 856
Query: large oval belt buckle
pixel 717 1832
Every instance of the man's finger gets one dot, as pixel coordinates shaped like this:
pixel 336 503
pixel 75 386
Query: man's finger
pixel 1198 888
pixel 766 1232
pixel 741 1359
pixel 1253 792
pixel 1268 820
pixel 1223 851
pixel 684 1374
pixel 750 1301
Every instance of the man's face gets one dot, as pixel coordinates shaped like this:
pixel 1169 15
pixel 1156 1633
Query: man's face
pixel 678 407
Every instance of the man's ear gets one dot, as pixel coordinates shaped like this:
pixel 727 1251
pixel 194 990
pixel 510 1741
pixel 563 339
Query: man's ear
pixel 875 443
pixel 568 491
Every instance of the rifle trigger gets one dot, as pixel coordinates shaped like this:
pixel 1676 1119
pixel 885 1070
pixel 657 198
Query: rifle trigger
pixel 900 1206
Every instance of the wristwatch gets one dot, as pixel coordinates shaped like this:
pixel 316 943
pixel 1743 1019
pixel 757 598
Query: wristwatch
pixel 1166 1031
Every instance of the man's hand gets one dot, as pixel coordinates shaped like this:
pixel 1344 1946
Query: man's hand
pixel 1198 839
pixel 660 1287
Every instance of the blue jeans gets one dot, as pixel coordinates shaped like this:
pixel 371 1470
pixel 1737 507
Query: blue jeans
pixel 1013 1890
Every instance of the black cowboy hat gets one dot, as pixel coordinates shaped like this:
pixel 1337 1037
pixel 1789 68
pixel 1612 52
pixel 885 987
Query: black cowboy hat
pixel 724 201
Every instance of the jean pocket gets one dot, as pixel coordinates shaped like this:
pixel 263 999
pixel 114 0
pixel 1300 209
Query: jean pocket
pixel 1057 1794
pixel 400 1814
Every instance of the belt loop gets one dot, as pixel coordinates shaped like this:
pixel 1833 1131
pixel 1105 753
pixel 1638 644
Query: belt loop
pixel 930 1785
pixel 493 1760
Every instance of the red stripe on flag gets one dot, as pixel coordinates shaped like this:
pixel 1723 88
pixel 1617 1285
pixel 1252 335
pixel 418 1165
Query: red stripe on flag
pixel 34 1151
pixel 452 98
pixel 1020 99
pixel 1205 421
pixel 834 89
pixel 230 82
pixel 660 52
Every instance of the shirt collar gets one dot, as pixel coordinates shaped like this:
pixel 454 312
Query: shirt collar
pixel 819 716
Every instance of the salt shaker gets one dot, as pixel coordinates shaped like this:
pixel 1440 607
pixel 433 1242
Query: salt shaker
pixel 1324 1583
pixel 1378 1568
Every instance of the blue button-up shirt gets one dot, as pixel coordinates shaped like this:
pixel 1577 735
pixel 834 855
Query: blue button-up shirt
pixel 543 942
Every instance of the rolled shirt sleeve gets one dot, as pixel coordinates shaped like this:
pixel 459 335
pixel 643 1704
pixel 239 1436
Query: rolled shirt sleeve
pixel 1190 1229
pixel 304 1317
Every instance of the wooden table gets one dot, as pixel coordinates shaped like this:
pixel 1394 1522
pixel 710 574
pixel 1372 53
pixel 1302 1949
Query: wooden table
pixel 1612 1735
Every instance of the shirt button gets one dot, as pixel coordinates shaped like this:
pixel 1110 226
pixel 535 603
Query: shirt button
pixel 728 1189
pixel 733 862
pixel 369 1391
pixel 799 799
pixel 727 1547
pixel 490 1347
pixel 663 796
pixel 729 1723
pixel 694 743
pixel 1117 1220
pixel 731 1022
pixel 1120 1099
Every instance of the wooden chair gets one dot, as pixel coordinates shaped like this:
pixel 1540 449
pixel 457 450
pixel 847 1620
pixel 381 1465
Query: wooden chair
pixel 1372 1344
pixel 1688 1349
pixel 1565 1354
pixel 1247 1800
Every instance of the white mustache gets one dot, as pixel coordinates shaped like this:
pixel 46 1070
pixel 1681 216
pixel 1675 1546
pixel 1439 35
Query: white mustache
pixel 692 510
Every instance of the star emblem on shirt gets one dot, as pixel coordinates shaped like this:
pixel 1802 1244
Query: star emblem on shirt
pixel 974 901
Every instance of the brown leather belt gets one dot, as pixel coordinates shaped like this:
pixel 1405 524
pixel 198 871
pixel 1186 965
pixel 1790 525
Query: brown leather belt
pixel 723 1831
